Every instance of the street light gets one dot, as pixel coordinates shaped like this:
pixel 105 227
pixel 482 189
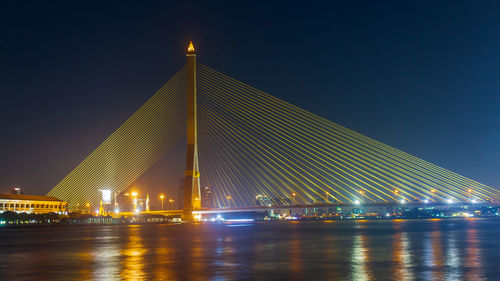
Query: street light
pixel 229 200
pixel 171 203
pixel 433 195
pixel 362 192
pixel 161 197
pixel 294 202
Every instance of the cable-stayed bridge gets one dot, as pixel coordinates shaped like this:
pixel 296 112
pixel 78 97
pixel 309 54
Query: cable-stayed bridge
pixel 255 149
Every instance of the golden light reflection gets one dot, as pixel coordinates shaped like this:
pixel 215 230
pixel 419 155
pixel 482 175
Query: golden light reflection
pixel 473 256
pixel 401 257
pixel 133 255
pixel 296 256
pixel 197 258
pixel 166 256
pixel 433 256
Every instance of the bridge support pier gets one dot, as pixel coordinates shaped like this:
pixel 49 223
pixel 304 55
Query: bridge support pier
pixel 192 200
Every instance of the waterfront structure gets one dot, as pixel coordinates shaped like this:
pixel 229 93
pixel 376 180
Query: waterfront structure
pixel 34 204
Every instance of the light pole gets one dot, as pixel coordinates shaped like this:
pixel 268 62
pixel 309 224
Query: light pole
pixel 470 193
pixel 362 192
pixel 229 200
pixel 327 197
pixel 171 203
pixel 433 191
pixel 396 193
pixel 294 202
pixel 161 197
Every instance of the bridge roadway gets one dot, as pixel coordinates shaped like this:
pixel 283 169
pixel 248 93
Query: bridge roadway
pixel 301 206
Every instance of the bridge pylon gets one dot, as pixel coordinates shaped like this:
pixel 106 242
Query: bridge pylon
pixel 192 200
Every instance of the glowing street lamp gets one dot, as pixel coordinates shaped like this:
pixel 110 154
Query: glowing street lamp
pixel 229 200
pixel 433 191
pixel 161 197
pixel 294 202
pixel 362 192
pixel 396 193
pixel 171 201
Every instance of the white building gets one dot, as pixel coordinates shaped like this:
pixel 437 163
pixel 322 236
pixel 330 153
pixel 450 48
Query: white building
pixel 35 204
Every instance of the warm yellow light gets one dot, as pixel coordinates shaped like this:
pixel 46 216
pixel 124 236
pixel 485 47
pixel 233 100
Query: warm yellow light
pixel 134 194
pixel 433 190
pixel 161 196
pixel 191 48
pixel 293 194
pixel 470 190
pixel 88 205
pixel 228 197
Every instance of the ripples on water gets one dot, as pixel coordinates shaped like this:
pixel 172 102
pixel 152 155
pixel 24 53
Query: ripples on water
pixel 361 250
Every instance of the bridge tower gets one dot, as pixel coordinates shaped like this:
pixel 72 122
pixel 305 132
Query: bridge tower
pixel 192 200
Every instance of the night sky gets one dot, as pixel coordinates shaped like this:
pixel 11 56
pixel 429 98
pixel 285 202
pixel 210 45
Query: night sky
pixel 421 76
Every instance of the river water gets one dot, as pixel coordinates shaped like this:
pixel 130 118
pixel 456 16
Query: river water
pixel 466 249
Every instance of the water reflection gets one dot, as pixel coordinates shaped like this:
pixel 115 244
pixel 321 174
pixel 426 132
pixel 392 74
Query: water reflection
pixel 295 255
pixel 133 255
pixel 359 260
pixel 106 256
pixel 473 262
pixel 437 250
pixel 452 258
pixel 402 257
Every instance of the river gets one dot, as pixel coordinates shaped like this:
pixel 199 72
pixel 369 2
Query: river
pixel 467 249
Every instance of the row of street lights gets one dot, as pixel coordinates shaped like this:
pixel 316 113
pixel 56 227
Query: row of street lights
pixel 399 197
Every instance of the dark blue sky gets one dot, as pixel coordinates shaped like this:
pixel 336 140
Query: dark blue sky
pixel 422 76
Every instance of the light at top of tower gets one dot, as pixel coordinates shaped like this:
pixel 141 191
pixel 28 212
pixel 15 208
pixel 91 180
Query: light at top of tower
pixel 191 48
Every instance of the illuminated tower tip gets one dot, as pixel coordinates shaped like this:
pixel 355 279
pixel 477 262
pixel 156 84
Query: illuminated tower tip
pixel 191 48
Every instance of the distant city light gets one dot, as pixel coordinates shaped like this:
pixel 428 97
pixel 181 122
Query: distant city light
pixel 240 220
pixel 426 201
pixel 106 196
pixel 474 201
pixel 402 201
pixel 449 201
pixel 356 202
pixel 117 210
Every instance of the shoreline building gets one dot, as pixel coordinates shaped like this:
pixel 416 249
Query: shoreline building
pixel 32 204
